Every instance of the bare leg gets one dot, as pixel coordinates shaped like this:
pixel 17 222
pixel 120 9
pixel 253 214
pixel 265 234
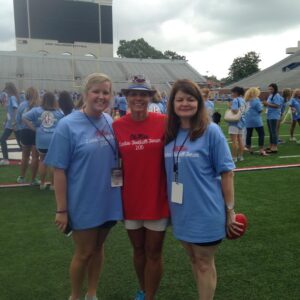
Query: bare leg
pixel 96 263
pixel 25 160
pixel 204 265
pixel 292 129
pixel 154 264
pixel 241 145
pixel 34 162
pixel 42 169
pixel 234 146
pixel 137 239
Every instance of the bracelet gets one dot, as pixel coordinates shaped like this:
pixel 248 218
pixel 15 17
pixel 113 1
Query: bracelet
pixel 61 211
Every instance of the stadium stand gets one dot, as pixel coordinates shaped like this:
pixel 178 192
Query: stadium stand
pixel 285 73
pixel 63 72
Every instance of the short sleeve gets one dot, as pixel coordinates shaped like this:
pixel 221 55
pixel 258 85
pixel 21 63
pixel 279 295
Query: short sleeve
pixel 14 102
pixel 31 115
pixel 219 151
pixel 60 149
pixel 235 105
pixel 277 100
pixel 258 106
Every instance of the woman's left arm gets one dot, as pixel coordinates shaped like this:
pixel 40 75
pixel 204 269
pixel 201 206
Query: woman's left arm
pixel 233 227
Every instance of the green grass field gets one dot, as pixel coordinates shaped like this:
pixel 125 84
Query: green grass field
pixel 265 264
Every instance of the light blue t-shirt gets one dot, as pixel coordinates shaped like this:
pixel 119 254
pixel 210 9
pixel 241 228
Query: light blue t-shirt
pixel 22 109
pixel 79 149
pixel 45 122
pixel 202 217
pixel 122 103
pixel 274 113
pixel 239 104
pixel 210 107
pixel 253 117
pixel 11 106
pixel 295 103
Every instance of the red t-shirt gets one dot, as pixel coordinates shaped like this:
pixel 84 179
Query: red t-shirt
pixel 141 145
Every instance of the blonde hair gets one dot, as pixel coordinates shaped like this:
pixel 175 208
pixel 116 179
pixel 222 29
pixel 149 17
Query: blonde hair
pixel 252 93
pixel 32 95
pixel 205 92
pixel 287 93
pixel 95 78
pixel 296 93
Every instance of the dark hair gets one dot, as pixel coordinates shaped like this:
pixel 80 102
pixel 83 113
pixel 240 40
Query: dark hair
pixel 238 90
pixel 199 121
pixel 275 87
pixel 65 103
pixel 49 102
pixel 11 90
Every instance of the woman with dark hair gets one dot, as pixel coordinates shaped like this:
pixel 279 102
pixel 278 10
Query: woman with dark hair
pixel 10 122
pixel 27 137
pixel 65 103
pixel 236 129
pixel 273 105
pixel 200 182
pixel 43 120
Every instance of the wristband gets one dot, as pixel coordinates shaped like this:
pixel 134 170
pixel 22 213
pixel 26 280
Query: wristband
pixel 61 211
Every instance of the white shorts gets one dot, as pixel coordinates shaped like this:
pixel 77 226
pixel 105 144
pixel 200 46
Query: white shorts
pixel 154 225
pixel 235 130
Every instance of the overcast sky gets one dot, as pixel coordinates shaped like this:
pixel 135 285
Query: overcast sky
pixel 209 33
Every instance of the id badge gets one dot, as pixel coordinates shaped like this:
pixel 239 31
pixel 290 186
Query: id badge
pixel 116 177
pixel 177 193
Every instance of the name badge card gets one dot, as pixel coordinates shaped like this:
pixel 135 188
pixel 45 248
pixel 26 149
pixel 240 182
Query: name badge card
pixel 177 193
pixel 116 177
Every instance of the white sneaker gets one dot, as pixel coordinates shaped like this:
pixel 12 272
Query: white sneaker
pixel 4 162
pixel 293 139
pixel 90 298
pixel 43 186
pixel 234 159
pixel 241 158
pixel 21 179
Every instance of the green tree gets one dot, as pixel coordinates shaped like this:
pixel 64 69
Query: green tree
pixel 173 55
pixel 141 49
pixel 243 67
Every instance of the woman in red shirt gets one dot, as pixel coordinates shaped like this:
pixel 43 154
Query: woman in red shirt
pixel 140 136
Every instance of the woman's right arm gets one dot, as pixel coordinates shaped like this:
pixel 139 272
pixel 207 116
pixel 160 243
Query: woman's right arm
pixel 60 183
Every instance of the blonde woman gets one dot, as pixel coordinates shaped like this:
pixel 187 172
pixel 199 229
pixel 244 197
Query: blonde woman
pixel 295 106
pixel 286 95
pixel 253 119
pixel 85 198
pixel 210 106
pixel 27 137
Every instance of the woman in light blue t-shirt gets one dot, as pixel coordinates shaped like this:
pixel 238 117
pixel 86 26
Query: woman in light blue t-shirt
pixel 295 107
pixel 43 120
pixel 253 119
pixel 10 122
pixel 236 129
pixel 200 182
pixel 84 153
pixel 273 104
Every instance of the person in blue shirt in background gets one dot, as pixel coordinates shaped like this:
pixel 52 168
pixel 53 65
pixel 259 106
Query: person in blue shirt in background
pixel 83 152
pixel 210 106
pixel 43 120
pixel 253 119
pixel 27 137
pixel 295 106
pixel 199 170
pixel 236 129
pixel 120 104
pixel 286 96
pixel 10 122
pixel 273 105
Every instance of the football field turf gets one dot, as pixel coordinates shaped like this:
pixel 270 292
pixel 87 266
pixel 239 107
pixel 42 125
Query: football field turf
pixel 264 264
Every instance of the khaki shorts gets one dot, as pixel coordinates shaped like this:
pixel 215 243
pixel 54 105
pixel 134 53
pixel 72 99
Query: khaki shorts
pixel 235 130
pixel 154 225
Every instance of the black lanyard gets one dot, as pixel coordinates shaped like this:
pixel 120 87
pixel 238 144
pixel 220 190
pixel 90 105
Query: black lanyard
pixel 115 152
pixel 175 161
